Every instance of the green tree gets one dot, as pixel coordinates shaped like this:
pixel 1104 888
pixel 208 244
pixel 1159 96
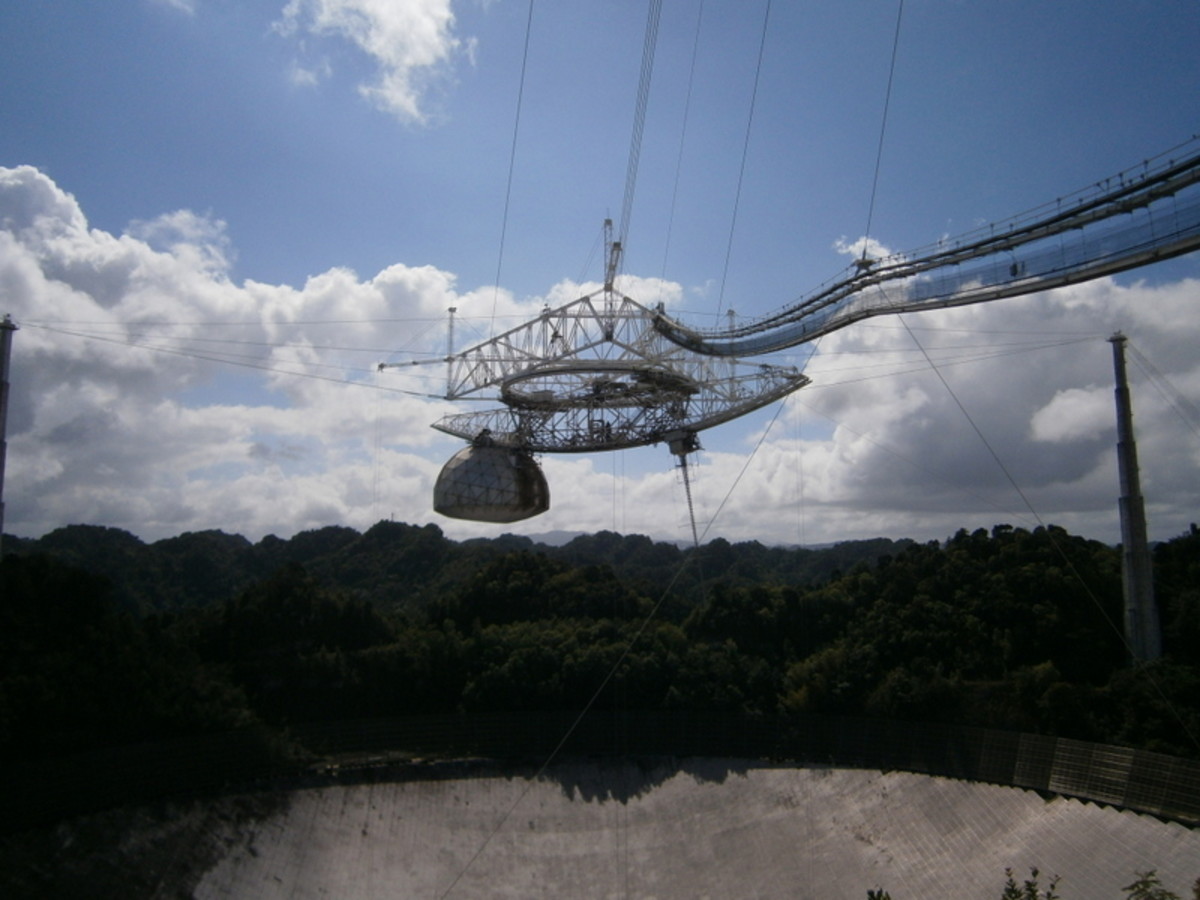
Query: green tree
pixel 1148 886
pixel 77 671
pixel 1177 589
pixel 1028 889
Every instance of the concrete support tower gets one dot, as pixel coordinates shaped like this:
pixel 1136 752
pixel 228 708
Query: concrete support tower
pixel 6 332
pixel 1142 633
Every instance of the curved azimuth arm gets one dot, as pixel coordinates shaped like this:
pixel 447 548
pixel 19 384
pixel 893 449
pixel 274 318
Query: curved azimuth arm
pixel 595 374
pixel 1135 218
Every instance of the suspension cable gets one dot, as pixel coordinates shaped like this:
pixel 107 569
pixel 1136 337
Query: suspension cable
pixel 887 102
pixel 639 116
pixel 1054 542
pixel 512 162
pixel 687 489
pixel 687 106
pixel 737 197
pixel 1185 409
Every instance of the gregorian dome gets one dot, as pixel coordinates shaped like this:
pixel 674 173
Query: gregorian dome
pixel 488 483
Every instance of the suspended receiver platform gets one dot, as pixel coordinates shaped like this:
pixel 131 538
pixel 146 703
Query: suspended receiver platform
pixel 594 374
pixel 604 372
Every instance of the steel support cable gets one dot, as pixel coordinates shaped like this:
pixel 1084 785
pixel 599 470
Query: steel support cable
pixel 944 277
pixel 512 163
pixel 1059 549
pixel 737 196
pixel 687 490
pixel 834 307
pixel 887 102
pixel 970 420
pixel 261 367
pixel 649 44
pixel 591 257
pixel 913 369
pixel 145 342
pixel 608 677
pixel 917 466
pixel 648 50
pixel 907 367
pixel 687 107
pixel 1185 409
pixel 948 356
pixel 1035 341
pixel 275 345
pixel 745 467
pixel 251 323
pixel 141 343
pixel 573 727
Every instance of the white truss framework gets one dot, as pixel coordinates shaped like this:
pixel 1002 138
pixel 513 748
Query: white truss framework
pixel 595 374
pixel 604 372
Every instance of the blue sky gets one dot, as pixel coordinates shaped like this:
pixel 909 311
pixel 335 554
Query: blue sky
pixel 301 189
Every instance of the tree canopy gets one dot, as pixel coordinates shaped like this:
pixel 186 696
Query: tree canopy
pixel 104 639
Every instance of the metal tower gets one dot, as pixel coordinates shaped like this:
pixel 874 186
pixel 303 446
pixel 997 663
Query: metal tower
pixel 6 332
pixel 1142 632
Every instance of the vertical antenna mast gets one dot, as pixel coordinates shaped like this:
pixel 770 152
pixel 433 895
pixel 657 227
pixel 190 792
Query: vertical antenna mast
pixel 6 332
pixel 612 250
pixel 612 264
pixel 450 353
pixel 1141 615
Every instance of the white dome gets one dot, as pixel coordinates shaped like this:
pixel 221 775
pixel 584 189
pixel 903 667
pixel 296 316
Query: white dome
pixel 491 484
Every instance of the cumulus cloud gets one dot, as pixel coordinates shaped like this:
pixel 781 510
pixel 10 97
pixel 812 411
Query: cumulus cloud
pixel 184 6
pixel 410 43
pixel 153 393
pixel 997 413
pixel 862 248
pixel 1073 414
pixel 921 425
pixel 309 76
pixel 184 233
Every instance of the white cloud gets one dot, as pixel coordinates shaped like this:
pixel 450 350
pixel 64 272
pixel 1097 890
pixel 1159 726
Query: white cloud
pixel 906 455
pixel 103 428
pixel 879 445
pixel 1073 414
pixel 150 392
pixel 184 6
pixel 411 44
pixel 862 247
pixel 200 242
pixel 310 76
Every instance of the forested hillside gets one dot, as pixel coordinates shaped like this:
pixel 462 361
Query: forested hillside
pixel 105 640
pixel 399 567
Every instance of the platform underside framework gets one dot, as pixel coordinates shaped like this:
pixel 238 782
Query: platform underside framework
pixel 596 374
